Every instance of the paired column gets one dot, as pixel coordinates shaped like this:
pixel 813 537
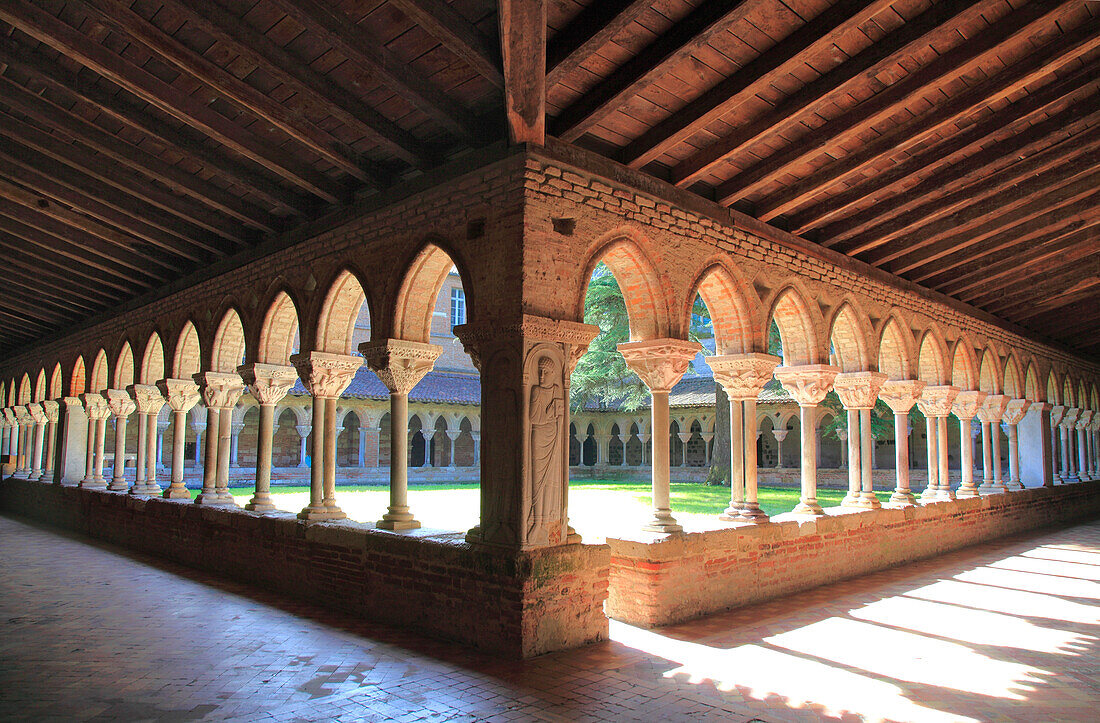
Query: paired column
pixel 38 418
pixel 1014 413
pixel 1094 470
pixel 220 391
pixel 182 395
pixel 149 401
pixel 1069 461
pixel 400 365
pixel 1056 413
pixel 743 376
pixel 22 455
pixel 660 364
pixel 269 384
pixel 1083 462
pixel 858 392
pixel 935 403
pixel 900 395
pixel 52 410
pixel 966 407
pixel 326 376
pixel 95 406
pixel 991 414
pixel 121 406
pixel 808 385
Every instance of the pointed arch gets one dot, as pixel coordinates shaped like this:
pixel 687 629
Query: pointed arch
pixel 1082 394
pixel 79 383
pixel 152 360
pixel 25 389
pixel 3 394
pixel 124 367
pixel 848 340
pixel 57 383
pixel 187 360
pixel 100 378
pixel 964 366
pixel 1069 394
pixel 415 304
pixel 227 352
pixel 40 386
pixel 279 333
pixel 895 351
pixel 1054 387
pixel 1032 388
pixel 797 330
pixel 1013 378
pixel 735 312
pixel 989 374
pixel 932 359
pixel 646 305
pixel 341 310
pixel 1094 398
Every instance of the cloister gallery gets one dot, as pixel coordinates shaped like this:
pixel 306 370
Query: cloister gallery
pixel 276 241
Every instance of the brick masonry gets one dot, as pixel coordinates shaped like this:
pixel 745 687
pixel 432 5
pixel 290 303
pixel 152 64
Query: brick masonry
pixel 658 582
pixel 517 604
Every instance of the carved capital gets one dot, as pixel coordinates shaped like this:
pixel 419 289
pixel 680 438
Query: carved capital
pixel 1084 420
pixel 858 390
pixel 967 404
pixel 900 395
pixel 34 409
pixel 1056 414
pixel 480 339
pixel 807 384
pixel 9 416
pixel 1015 410
pixel 72 403
pixel 148 398
pixel 661 362
pixel 993 409
pixel 326 375
pixel 180 393
pixel 937 401
pixel 22 415
pixel 95 405
pixel 269 382
pixel 398 363
pixel 743 376
pixel 220 390
pixel 52 410
pixel 120 403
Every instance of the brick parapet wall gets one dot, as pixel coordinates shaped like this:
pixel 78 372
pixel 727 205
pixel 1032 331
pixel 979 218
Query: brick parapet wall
pixel 515 604
pixel 658 582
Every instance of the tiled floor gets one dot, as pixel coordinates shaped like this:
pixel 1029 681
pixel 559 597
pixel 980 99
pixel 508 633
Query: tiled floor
pixel 1007 631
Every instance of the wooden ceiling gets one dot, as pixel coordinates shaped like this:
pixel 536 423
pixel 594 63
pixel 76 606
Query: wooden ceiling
pixel 955 144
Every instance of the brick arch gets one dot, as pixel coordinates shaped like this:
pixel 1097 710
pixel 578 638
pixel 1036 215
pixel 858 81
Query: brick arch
pixel 895 350
pixel 187 359
pixel 848 338
pixel 964 365
pixel 1054 387
pixel 335 328
pixel 40 386
pixel 416 297
pixel 1069 393
pixel 1013 378
pixel 25 389
pixel 124 367
pixel 99 378
pixel 989 374
pixel 625 254
pixel 1094 398
pixel 798 327
pixel 1081 394
pixel 932 359
pixel 79 381
pixel 152 360
pixel 228 349
pixel 11 401
pixel 735 310
pixel 279 331
pixel 57 383
pixel 1033 391
pixel 4 394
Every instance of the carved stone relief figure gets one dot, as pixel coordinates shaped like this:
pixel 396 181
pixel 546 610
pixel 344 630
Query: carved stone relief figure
pixel 546 410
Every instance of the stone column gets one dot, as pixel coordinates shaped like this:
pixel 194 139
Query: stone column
pixel 121 406
pixel 708 449
pixel 161 426
pixel 935 403
pixel 149 400
pixel 220 392
pixel 1069 418
pixel 991 414
pixel 900 395
pixel 400 365
pixel 966 406
pixel 858 392
pixel 476 434
pixel 808 385
pixel 95 405
pixel 603 450
pixel 325 376
pixel 742 376
pixel 234 442
pixel 1014 413
pixel 269 384
pixel 1083 467
pixel 779 435
pixel 361 457
pixel 52 410
pixel 38 417
pixel 182 395
pixel 684 438
pixel 1056 413
pixel 199 427
pixel 660 364
pixel 842 435
pixel 5 434
pixel 1095 469
pixel 303 433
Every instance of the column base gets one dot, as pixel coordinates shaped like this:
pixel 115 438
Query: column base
pixel 734 513
pixel 1072 478
pixel 118 486
pixel 945 494
pixel 177 493
pixel 1015 485
pixel 751 512
pixel 91 484
pixel 397 518
pixel 260 503
pixel 903 499
pixel 37 475
pixel 869 501
pixel 662 522
pixel 146 489
pixel 212 498
pixel 321 514
pixel 967 491
pixel 930 494
pixel 808 507
pixel 852 500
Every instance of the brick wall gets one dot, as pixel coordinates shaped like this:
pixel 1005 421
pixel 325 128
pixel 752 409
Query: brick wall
pixel 517 605
pixel 683 577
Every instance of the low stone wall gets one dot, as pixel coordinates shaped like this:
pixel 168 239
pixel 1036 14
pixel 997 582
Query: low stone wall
pixel 515 604
pixel 658 581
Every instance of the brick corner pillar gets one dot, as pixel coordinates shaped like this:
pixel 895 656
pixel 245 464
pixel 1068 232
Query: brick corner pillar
pixel 808 385
pixel 900 395
pixel 400 365
pixel 1036 440
pixel 269 384
pixel 743 377
pixel 858 392
pixel 220 391
pixel 325 376
pixel 1014 413
pixel 991 414
pixel 95 406
pixel 660 363
pixel 72 433
pixel 935 403
pixel 966 407
pixel 182 395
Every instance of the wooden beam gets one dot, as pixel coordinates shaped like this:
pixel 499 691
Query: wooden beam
pixel 750 79
pixel 42 69
pixel 523 45
pixel 21 320
pixel 51 116
pixel 935 25
pixel 592 28
pixel 35 307
pixel 375 59
pixel 841 233
pixel 457 34
pixel 73 287
pixel 1035 302
pixel 68 41
pixel 1058 322
pixel 1038 286
pixel 255 47
pixel 43 249
pixel 47 295
pixel 960 60
pixel 647 66
pixel 930 126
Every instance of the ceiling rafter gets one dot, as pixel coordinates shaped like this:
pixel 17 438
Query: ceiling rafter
pixel 50 246
pixel 593 27
pixel 58 279
pixel 457 34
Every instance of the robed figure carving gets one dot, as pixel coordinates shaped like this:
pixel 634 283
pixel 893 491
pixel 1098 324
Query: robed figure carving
pixel 546 411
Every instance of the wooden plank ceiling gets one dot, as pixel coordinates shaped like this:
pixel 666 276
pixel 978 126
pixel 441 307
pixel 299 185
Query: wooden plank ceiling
pixel 955 144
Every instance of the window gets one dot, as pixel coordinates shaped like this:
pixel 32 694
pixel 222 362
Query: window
pixel 458 307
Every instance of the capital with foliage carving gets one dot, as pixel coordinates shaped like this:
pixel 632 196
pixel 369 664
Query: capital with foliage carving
pixel 148 398
pixel 220 390
pixel 937 401
pixel 120 403
pixel 269 382
pixel 398 363
pixel 1084 421
pixel 743 376
pixel 95 405
pixel 807 384
pixel 1056 413
pixel 326 375
pixel 1016 410
pixel 52 410
pixel 22 415
pixel 38 415
pixel 660 363
pixel 858 390
pixel 181 394
pixel 9 416
pixel 993 409
pixel 967 404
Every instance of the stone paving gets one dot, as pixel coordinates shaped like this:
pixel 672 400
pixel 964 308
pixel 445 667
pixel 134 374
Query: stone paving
pixel 1006 631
